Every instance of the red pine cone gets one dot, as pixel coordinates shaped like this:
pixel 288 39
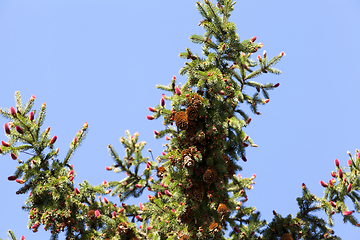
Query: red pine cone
pixel 77 191
pixel 5 144
pixel 349 188
pixel 347 213
pixel 97 213
pixel 340 173
pixel 19 129
pixel 323 183
pixel 7 129
pixel 53 140
pixel 178 91
pixel 31 116
pixel 13 156
pixel 20 181
pixel 149 117
pixel 12 111
pixel 12 178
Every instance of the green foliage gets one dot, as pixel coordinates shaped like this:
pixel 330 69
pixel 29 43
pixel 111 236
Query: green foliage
pixel 195 192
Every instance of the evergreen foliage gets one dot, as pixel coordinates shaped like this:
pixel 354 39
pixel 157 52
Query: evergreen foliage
pixel 195 192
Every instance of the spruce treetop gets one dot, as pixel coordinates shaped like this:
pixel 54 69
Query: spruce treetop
pixel 194 189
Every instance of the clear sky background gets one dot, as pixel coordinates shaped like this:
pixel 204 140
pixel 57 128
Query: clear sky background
pixel 99 61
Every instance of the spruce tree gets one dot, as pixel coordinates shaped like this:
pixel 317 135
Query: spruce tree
pixel 194 188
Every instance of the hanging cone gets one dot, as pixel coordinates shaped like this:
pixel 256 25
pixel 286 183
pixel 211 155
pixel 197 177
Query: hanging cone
pixel 196 101
pixel 192 113
pixel 187 158
pixel 222 209
pixel 186 217
pixel 286 236
pixel 122 229
pixel 210 175
pixel 181 120
pixel 91 214
pixel 161 171
pixel 191 129
pixel 215 227
pixel 198 191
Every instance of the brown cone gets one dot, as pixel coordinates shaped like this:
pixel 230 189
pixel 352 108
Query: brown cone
pixel 192 113
pixel 161 171
pixel 286 236
pixel 181 120
pixel 210 175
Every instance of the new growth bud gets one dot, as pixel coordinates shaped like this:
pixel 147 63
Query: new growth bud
pixel 19 129
pixel 20 181
pixel 348 189
pixel 53 140
pixel 340 173
pixel 7 129
pixel 12 111
pixel 323 183
pixel 31 116
pixel 168 193
pixel 97 213
pixel 5 144
pixel 178 91
pixel 13 156
pixel 347 213
pixel 12 178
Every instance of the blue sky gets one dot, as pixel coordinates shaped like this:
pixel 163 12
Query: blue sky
pixel 99 61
